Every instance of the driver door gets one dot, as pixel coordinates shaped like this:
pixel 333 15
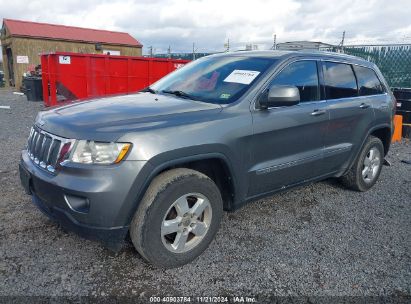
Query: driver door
pixel 287 142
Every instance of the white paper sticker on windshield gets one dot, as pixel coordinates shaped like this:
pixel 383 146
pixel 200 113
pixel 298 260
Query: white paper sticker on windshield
pixel 242 76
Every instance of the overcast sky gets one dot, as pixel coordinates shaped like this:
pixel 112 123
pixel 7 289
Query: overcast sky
pixel 209 23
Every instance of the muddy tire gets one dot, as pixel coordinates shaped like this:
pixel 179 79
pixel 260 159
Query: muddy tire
pixel 177 219
pixel 367 167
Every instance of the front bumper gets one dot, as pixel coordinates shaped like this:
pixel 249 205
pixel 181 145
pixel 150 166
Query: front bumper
pixel 96 202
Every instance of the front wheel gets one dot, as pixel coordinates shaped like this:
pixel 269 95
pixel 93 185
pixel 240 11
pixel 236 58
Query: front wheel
pixel 177 218
pixel 367 167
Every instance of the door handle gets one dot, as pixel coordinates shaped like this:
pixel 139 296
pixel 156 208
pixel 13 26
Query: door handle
pixel 317 112
pixel 364 106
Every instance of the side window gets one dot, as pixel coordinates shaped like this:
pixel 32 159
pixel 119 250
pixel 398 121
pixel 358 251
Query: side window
pixel 368 82
pixel 339 80
pixel 303 75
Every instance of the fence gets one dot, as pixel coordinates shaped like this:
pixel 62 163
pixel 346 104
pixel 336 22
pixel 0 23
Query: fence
pixel 394 61
pixel 183 56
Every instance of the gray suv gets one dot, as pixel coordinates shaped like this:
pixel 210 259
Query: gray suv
pixel 161 165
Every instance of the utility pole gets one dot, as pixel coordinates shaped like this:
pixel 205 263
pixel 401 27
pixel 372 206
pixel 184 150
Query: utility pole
pixel 150 51
pixel 194 52
pixel 342 42
pixel 227 45
pixel 169 52
pixel 274 47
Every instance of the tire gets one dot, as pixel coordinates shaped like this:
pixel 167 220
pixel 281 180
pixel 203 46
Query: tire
pixel 164 205
pixel 354 178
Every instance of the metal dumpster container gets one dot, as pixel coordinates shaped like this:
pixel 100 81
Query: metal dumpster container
pixel 71 76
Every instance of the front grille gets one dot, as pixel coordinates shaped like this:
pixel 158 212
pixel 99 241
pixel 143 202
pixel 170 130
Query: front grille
pixel 44 148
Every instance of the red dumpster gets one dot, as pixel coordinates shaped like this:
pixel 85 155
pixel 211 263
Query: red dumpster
pixel 82 76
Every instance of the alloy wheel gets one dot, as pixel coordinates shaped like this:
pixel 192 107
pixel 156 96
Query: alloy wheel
pixel 371 165
pixel 186 222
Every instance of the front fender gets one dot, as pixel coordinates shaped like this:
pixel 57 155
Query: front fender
pixel 179 157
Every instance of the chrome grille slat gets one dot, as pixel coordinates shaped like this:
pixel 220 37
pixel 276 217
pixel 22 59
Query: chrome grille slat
pixel 49 151
pixel 54 152
pixel 58 151
pixel 44 151
pixel 43 148
pixel 34 142
pixel 37 148
pixel 30 139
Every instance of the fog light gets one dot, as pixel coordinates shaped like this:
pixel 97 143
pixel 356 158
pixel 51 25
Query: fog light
pixel 77 203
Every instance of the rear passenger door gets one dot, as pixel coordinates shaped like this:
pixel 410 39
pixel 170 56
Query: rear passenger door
pixel 350 115
pixel 373 91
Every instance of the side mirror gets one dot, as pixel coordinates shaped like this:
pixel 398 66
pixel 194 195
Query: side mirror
pixel 280 96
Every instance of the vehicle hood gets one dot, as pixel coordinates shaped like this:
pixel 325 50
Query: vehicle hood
pixel 107 119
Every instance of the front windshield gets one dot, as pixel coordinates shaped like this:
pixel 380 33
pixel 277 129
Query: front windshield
pixel 214 79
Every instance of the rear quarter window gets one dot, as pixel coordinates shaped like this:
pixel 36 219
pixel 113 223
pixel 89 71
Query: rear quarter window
pixel 368 82
pixel 339 80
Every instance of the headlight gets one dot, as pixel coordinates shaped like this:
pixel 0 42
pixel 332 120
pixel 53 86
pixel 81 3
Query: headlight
pixel 91 152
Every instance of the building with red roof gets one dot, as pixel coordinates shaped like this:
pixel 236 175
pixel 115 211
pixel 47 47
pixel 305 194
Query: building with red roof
pixel 23 41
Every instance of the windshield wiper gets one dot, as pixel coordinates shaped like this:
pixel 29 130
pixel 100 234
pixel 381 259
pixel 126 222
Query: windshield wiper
pixel 178 93
pixel 150 90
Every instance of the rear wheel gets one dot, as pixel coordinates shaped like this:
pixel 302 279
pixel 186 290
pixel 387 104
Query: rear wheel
pixel 367 167
pixel 177 218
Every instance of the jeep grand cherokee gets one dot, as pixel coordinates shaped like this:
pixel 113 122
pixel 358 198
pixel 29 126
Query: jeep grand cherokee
pixel 163 164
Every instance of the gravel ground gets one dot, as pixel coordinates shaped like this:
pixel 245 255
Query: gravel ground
pixel 317 240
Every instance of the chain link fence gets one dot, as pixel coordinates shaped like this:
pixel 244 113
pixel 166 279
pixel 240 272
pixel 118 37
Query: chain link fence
pixel 394 61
